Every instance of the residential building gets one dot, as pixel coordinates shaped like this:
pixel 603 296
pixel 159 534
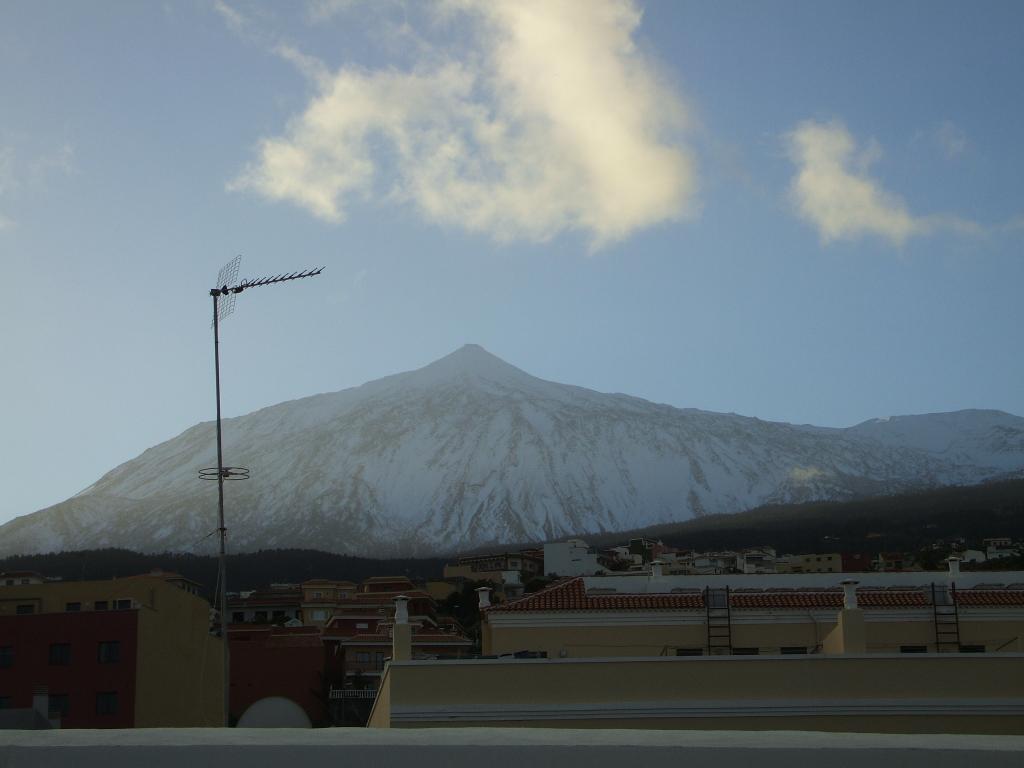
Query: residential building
pixel 19 578
pixel 815 563
pixel 629 615
pixel 273 606
pixel 896 653
pixel 119 653
pixel 528 563
pixel 571 558
pixel 320 597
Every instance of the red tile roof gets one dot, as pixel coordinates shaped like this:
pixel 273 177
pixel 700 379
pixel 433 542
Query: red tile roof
pixel 571 595
pixel 983 597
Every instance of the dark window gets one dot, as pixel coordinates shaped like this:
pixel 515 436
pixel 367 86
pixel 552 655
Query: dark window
pixel 278 615
pixel 793 649
pixel 71 607
pixel 972 649
pixel 109 652
pixel 378 660
pixel 261 616
pixel 238 617
pixel 6 656
pixel 745 651
pixel 106 703
pixel 362 657
pixel 60 654
pixel 101 605
pixel 23 610
pixel 60 705
pixel 123 605
pixel 689 651
pixel 913 649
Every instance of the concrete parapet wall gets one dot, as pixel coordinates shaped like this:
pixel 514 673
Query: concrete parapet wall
pixel 495 748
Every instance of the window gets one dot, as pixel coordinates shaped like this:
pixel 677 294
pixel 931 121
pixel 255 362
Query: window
pixel 745 651
pixel 689 651
pixel 788 650
pixel 362 625
pixel 972 649
pixel 5 702
pixel 123 605
pixel 278 615
pixel 106 703
pixel 6 656
pixel 24 610
pixel 101 605
pixel 60 654
pixel 913 649
pixel 319 615
pixel 363 657
pixel 72 607
pixel 109 652
pixel 317 595
pixel 60 705
pixel 238 617
pixel 378 660
pixel 260 616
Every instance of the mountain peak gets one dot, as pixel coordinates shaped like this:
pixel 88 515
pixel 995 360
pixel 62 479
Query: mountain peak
pixel 471 360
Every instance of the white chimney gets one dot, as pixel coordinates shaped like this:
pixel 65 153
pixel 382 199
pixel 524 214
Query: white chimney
pixel 401 610
pixel 954 567
pixel 401 632
pixel 484 594
pixel 849 593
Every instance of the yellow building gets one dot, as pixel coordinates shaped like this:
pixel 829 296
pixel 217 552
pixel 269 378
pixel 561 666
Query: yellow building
pixel 120 653
pixel 906 653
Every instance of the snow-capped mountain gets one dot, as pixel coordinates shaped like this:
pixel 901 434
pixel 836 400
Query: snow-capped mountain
pixel 471 451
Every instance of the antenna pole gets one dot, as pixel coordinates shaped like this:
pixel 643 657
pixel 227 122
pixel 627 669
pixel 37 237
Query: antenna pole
pixel 222 559
pixel 223 304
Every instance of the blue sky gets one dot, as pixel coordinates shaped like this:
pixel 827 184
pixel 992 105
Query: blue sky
pixel 809 212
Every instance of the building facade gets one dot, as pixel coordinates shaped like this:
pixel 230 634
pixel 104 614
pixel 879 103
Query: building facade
pixel 121 653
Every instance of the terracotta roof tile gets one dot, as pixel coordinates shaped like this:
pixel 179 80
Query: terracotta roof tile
pixel 982 597
pixel 571 595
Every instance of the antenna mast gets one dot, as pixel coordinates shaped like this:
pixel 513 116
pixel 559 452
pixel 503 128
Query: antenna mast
pixel 223 305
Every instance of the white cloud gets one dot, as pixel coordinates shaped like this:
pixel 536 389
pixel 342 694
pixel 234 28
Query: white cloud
pixel 323 10
pixel 832 189
pixel 554 121
pixel 235 20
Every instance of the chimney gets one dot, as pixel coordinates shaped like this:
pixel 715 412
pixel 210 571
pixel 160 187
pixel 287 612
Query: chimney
pixel 849 635
pixel 484 594
pixel 401 635
pixel 849 593
pixel 656 569
pixel 954 567
pixel 41 701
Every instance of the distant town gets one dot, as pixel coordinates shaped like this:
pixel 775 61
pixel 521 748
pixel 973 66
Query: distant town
pixel 106 653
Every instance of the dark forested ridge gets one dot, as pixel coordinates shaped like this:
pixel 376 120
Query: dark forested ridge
pixel 904 523
pixel 251 570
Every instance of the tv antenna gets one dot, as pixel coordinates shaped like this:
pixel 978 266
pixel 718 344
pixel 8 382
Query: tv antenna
pixel 224 296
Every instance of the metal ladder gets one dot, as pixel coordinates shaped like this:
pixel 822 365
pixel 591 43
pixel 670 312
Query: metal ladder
pixel 719 621
pixel 947 618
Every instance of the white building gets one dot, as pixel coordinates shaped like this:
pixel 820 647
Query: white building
pixel 571 558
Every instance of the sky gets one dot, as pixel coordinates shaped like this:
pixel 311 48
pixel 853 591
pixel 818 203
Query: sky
pixel 809 212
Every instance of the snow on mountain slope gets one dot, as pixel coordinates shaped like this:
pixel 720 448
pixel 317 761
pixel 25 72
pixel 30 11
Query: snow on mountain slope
pixel 470 451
